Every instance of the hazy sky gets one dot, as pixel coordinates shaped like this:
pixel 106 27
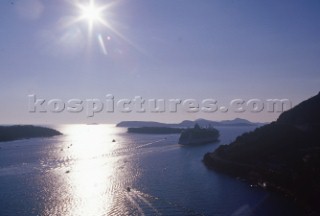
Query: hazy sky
pixel 157 49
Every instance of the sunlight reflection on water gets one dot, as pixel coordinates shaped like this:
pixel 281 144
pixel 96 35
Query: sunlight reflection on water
pixel 84 172
pixel 92 178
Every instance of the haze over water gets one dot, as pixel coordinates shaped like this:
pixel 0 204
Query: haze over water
pixel 84 173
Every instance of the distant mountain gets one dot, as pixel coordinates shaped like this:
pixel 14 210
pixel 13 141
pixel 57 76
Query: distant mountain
pixel 16 132
pixel 155 130
pixel 236 121
pixel 133 124
pixel 188 123
pixel 282 156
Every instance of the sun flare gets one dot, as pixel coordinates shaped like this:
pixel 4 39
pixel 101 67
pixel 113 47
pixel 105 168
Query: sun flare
pixel 99 19
pixel 91 13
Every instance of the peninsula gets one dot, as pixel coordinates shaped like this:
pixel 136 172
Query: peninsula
pixel 16 132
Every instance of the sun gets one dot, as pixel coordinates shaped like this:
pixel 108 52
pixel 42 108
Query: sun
pixel 99 18
pixel 92 14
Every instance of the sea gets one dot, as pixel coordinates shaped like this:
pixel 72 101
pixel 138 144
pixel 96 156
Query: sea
pixel 96 170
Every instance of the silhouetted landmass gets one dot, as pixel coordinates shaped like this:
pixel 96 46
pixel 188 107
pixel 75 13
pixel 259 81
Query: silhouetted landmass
pixel 16 132
pixel 282 156
pixel 188 123
pixel 155 130
pixel 198 135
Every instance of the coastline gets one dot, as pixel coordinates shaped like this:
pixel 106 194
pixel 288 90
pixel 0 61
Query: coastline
pixel 256 176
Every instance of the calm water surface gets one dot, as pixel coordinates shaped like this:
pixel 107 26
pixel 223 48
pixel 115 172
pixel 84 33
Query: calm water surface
pixel 84 173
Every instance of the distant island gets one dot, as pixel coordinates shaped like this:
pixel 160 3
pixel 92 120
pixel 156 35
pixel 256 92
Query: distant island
pixel 155 130
pixel 188 123
pixel 198 135
pixel 16 132
pixel 282 156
